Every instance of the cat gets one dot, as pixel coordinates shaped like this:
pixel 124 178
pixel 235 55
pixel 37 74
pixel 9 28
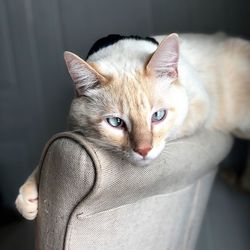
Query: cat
pixel 133 95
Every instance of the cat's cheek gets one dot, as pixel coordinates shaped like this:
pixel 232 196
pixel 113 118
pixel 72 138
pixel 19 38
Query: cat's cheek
pixel 109 130
pixel 156 150
pixel 163 130
pixel 168 129
pixel 178 99
pixel 113 136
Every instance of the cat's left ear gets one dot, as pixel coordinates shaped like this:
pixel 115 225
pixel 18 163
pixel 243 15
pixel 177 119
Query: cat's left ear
pixel 164 62
pixel 83 74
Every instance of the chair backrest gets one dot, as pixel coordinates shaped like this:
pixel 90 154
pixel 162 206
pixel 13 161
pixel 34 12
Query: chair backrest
pixel 94 199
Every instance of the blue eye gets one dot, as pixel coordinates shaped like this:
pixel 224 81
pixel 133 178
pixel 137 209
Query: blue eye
pixel 115 122
pixel 159 115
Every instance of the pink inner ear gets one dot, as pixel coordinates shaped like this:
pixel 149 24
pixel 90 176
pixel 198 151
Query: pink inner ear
pixel 164 61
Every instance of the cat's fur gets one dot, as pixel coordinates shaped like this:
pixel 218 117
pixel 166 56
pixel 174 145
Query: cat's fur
pixel 200 80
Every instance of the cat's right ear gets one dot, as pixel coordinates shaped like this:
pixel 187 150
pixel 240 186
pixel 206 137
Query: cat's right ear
pixel 83 75
pixel 164 61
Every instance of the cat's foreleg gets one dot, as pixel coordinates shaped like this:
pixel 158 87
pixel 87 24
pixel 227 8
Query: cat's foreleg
pixel 27 199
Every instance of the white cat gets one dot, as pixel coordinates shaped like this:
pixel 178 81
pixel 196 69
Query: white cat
pixel 133 95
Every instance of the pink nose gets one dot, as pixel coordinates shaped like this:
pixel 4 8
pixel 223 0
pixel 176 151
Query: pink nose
pixel 143 151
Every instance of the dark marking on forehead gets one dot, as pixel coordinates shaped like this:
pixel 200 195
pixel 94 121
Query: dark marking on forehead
pixel 114 38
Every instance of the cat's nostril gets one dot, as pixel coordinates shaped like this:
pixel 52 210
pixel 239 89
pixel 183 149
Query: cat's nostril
pixel 143 151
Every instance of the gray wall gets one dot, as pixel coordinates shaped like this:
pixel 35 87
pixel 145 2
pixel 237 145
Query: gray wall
pixel 35 89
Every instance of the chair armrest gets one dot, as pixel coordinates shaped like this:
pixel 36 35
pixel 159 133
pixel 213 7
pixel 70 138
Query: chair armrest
pixel 79 181
pixel 63 184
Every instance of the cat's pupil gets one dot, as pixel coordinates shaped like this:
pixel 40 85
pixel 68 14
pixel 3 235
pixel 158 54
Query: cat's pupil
pixel 115 121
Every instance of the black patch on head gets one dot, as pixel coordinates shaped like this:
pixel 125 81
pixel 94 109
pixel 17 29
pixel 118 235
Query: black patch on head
pixel 114 38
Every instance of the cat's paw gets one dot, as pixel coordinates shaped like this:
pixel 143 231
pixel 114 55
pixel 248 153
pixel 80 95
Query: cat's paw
pixel 27 201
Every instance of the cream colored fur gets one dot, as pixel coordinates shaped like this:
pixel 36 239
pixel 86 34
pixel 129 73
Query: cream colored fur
pixel 222 65
pixel 203 81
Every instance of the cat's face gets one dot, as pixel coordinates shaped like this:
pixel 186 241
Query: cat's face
pixel 131 112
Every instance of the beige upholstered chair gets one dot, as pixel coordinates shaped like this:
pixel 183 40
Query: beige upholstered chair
pixel 93 199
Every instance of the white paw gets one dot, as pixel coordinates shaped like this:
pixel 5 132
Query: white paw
pixel 27 201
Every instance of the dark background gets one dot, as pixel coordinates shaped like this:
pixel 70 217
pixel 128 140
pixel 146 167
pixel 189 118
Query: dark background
pixel 35 88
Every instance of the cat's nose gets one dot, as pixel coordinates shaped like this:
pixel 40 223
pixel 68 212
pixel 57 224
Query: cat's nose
pixel 143 151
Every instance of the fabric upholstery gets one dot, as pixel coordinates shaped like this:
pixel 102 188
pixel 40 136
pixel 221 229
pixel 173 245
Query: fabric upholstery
pixel 94 199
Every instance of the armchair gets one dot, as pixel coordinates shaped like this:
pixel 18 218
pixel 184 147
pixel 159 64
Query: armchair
pixel 92 199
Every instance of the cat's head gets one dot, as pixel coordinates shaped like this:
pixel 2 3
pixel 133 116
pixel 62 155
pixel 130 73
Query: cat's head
pixel 128 97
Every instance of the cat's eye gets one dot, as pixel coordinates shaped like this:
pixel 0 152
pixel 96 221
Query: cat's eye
pixel 159 115
pixel 115 122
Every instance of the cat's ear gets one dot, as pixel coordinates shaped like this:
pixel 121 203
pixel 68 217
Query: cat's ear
pixel 83 75
pixel 164 62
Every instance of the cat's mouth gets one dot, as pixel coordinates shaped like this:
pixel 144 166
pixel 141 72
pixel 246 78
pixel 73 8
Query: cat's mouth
pixel 139 160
